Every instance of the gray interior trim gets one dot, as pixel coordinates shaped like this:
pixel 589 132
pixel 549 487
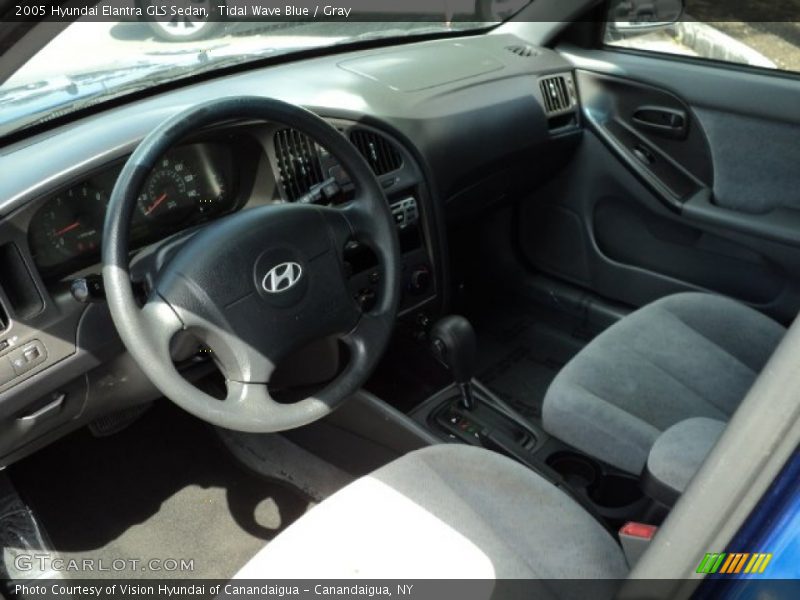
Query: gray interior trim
pixel 780 224
pixel 697 83
pixel 728 490
pixel 373 419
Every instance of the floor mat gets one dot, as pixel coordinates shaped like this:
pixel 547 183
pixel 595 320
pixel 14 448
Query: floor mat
pixel 162 489
pixel 521 349
pixel 21 537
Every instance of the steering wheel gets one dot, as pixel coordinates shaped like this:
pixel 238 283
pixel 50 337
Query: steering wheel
pixel 257 285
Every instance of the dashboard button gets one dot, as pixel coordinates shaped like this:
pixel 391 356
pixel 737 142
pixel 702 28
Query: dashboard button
pixel 27 357
pixel 18 362
pixel 31 354
pixel 366 298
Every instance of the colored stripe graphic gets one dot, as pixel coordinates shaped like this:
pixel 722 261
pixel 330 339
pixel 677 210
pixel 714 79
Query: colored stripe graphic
pixel 732 558
pixel 718 563
pixel 711 563
pixel 767 558
pixel 703 567
pixel 741 562
pixel 732 563
pixel 752 563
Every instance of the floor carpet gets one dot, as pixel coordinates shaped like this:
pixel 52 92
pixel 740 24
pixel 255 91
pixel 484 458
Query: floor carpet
pixel 164 488
pixel 521 348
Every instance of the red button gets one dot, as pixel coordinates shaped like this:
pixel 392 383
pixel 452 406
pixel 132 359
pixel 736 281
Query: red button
pixel 638 530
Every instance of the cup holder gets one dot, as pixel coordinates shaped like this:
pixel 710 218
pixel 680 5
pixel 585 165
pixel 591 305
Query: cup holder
pixel 615 491
pixel 609 491
pixel 577 470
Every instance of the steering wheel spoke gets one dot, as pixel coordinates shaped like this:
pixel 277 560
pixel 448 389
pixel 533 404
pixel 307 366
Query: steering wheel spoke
pixel 363 336
pixel 363 217
pixel 159 323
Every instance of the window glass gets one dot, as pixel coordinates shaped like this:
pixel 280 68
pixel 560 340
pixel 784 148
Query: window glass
pixel 744 32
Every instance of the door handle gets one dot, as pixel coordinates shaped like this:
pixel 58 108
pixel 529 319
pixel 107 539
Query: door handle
pixel 667 122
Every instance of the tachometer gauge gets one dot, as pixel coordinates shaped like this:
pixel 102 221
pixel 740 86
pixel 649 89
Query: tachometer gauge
pixel 170 193
pixel 72 222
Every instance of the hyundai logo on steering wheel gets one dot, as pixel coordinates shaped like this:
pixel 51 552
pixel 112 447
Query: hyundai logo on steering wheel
pixel 282 277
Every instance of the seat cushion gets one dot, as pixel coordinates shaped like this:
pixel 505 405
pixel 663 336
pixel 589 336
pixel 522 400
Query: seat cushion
pixel 686 355
pixel 447 511
pixel 677 455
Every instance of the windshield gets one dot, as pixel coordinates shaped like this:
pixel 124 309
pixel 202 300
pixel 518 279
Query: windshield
pixel 106 54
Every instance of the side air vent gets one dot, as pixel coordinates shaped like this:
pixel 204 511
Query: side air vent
pixel 3 318
pixel 24 300
pixel 298 162
pixel 556 93
pixel 525 51
pixel 380 154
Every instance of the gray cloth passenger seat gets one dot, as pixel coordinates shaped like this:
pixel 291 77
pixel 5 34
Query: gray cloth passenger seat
pixel 683 356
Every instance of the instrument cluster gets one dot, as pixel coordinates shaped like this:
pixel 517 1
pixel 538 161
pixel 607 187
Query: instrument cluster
pixel 189 185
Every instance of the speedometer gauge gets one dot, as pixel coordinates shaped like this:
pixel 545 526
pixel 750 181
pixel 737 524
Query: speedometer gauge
pixel 71 223
pixel 170 193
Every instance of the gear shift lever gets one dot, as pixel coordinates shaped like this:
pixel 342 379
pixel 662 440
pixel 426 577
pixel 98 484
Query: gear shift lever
pixel 453 343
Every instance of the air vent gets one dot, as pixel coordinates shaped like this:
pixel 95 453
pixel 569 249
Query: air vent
pixel 524 51
pixel 3 318
pixel 555 94
pixel 298 162
pixel 24 300
pixel 380 154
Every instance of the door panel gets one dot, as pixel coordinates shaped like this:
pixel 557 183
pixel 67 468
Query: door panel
pixel 686 178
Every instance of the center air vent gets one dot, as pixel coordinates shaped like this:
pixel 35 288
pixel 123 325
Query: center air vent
pixel 524 50
pixel 557 93
pixel 380 154
pixel 298 162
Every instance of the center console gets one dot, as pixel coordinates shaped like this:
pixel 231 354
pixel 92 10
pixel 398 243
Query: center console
pixel 304 168
pixel 418 283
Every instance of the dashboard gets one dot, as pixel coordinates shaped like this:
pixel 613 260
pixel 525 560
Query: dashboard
pixel 480 123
